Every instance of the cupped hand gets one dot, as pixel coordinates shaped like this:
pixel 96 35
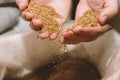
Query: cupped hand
pixel 107 9
pixel 62 7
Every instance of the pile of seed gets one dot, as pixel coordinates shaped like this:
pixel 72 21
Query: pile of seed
pixel 89 19
pixel 47 15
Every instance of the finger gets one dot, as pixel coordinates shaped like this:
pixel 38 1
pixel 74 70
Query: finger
pixel 22 4
pixel 64 40
pixel 68 34
pixel 44 35
pixel 27 16
pixel 109 11
pixel 77 40
pixel 53 36
pixel 92 31
pixel 36 24
pixel 96 5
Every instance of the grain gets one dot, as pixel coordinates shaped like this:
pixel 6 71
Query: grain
pixel 89 19
pixel 47 15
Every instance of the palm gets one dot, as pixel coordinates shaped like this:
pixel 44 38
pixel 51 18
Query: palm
pixel 86 34
pixel 62 7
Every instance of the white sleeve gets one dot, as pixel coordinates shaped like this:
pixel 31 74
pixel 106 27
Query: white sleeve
pixel 8 20
pixel 7 1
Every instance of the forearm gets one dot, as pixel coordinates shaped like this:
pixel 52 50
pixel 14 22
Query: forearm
pixel 68 6
pixel 63 8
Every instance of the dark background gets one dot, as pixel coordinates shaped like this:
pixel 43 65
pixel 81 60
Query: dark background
pixel 74 5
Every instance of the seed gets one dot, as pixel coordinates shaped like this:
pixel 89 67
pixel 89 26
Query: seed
pixel 47 15
pixel 89 19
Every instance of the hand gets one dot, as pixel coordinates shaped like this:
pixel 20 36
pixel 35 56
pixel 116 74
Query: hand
pixel 107 9
pixel 61 6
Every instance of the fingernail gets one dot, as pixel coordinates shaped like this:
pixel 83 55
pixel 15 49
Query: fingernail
pixel 37 22
pixel 44 35
pixel 53 36
pixel 35 28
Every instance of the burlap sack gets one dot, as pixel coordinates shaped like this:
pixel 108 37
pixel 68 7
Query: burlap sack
pixel 21 53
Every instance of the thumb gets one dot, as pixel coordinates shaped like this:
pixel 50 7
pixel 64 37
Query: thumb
pixel 103 19
pixel 109 11
pixel 22 4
